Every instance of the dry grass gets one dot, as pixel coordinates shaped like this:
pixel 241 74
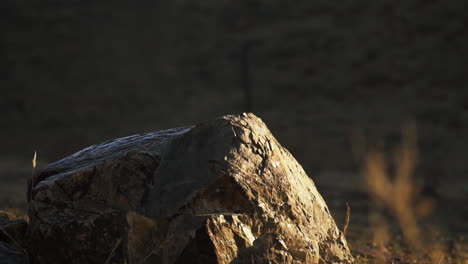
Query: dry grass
pixel 348 216
pixel 34 164
pixel 15 247
pixel 396 192
pixel 395 198
pixel 111 254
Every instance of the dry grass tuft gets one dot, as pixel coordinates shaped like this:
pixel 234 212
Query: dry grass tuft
pixel 390 183
pixel 15 247
pixel 111 254
pixel 397 192
pixel 34 164
pixel 348 216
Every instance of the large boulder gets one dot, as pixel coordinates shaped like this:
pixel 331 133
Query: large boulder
pixel 224 191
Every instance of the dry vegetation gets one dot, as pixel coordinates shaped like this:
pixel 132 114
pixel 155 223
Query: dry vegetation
pixel 401 224
pixel 400 228
pixel 400 215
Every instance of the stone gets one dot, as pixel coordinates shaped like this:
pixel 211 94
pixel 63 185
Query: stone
pixel 223 191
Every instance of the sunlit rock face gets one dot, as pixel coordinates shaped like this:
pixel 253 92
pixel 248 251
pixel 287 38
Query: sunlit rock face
pixel 224 191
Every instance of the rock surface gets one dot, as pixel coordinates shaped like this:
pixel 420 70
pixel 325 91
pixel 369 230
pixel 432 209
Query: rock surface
pixel 224 191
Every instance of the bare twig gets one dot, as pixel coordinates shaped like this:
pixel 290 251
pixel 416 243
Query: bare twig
pixel 113 251
pixel 441 258
pixel 157 247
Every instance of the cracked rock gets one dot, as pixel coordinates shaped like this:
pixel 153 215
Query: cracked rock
pixel 224 191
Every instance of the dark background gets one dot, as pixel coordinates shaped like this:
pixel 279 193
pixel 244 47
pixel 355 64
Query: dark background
pixel 76 73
